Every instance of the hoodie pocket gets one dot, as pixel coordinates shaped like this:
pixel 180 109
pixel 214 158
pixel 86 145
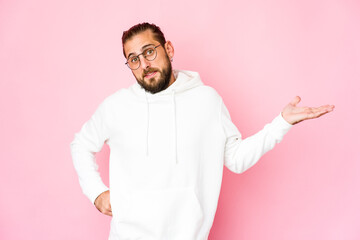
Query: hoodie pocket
pixel 160 214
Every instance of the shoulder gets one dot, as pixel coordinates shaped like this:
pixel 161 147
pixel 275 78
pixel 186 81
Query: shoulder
pixel 205 97
pixel 117 97
pixel 208 92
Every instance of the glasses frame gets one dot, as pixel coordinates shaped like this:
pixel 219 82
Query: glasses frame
pixel 127 62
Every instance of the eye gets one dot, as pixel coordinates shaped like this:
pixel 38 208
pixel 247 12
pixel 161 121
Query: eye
pixel 134 59
pixel 149 51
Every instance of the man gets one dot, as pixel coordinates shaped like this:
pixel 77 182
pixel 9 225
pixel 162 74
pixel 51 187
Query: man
pixel 169 137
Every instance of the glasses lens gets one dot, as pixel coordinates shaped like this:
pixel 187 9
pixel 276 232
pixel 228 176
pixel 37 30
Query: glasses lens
pixel 150 53
pixel 133 62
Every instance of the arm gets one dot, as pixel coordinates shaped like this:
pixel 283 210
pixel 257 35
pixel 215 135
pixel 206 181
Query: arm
pixel 241 154
pixel 86 143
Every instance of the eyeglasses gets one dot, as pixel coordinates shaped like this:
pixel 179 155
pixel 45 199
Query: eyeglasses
pixel 149 54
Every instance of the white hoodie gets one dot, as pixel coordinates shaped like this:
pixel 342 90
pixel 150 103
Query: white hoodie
pixel 167 152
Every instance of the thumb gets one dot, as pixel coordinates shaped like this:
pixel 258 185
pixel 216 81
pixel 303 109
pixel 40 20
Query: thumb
pixel 295 101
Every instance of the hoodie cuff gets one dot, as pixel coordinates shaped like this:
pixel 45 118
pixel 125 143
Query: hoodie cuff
pixel 96 191
pixel 279 127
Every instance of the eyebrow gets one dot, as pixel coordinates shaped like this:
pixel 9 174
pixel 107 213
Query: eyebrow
pixel 142 48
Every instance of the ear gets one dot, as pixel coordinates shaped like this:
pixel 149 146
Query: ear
pixel 169 48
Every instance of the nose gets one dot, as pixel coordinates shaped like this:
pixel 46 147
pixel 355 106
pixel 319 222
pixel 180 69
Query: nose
pixel 144 63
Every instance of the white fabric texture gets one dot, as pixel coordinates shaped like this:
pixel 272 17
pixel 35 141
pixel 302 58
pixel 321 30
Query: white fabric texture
pixel 167 152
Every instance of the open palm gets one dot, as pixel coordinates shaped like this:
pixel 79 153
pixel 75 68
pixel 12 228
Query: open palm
pixel 294 114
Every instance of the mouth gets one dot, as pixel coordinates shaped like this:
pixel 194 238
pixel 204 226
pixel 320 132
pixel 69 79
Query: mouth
pixel 150 74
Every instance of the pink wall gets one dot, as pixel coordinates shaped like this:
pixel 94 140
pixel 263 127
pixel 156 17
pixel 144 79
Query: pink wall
pixel 60 59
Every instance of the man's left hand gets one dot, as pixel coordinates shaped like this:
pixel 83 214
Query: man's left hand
pixel 293 114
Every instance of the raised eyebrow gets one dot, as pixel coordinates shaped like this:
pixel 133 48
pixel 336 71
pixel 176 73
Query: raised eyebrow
pixel 142 48
pixel 147 45
pixel 130 55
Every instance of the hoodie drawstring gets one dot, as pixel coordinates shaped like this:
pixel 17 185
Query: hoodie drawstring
pixel 147 124
pixel 175 126
pixel 185 80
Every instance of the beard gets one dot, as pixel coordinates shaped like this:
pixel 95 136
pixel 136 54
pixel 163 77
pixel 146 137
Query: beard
pixel 152 85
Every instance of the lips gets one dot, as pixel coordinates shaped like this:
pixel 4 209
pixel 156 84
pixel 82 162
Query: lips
pixel 150 74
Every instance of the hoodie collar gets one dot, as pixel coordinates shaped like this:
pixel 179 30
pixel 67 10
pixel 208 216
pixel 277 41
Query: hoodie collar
pixel 185 80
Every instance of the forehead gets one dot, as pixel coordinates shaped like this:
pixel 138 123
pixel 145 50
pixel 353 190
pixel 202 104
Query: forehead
pixel 134 44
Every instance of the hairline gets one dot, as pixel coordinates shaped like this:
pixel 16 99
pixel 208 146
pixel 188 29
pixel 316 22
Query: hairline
pixel 154 36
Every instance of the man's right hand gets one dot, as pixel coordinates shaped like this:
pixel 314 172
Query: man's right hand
pixel 102 203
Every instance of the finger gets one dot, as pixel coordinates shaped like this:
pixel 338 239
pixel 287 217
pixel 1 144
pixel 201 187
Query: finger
pixel 316 112
pixel 105 208
pixel 324 108
pixel 295 101
pixel 108 213
pixel 319 114
pixel 329 107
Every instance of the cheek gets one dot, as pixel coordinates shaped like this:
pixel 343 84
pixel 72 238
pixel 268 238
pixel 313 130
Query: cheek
pixel 160 65
pixel 137 74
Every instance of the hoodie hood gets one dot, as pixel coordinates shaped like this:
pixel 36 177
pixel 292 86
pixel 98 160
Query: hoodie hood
pixel 184 81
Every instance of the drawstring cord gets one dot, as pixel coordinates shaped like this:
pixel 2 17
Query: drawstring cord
pixel 175 126
pixel 147 125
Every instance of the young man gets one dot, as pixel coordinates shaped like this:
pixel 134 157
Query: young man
pixel 169 137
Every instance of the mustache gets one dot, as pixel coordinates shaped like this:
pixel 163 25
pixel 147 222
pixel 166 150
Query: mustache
pixel 150 70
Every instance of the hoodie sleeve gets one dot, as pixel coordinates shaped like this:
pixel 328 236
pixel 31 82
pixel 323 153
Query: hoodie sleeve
pixel 241 154
pixel 86 143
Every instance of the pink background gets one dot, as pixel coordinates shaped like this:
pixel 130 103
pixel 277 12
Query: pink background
pixel 60 59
